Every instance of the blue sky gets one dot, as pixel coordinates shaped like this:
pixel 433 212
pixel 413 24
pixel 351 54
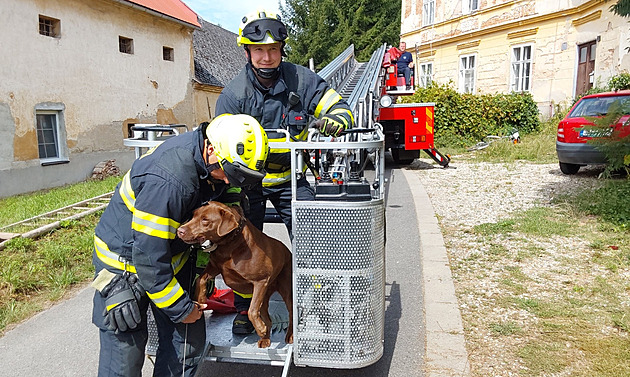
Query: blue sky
pixel 228 14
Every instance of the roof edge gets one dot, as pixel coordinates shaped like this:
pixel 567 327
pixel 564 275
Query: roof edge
pixel 159 14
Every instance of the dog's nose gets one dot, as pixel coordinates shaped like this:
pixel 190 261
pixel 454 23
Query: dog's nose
pixel 181 232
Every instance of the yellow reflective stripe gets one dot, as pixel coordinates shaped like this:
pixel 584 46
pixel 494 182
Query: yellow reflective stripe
pixel 110 307
pixel 168 295
pixel 273 179
pixel 154 225
pixel 126 193
pixel 345 112
pixel 244 295
pixel 179 260
pixel 109 258
pixel 328 99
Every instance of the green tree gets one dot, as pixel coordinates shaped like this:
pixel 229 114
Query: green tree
pixel 323 29
pixel 622 8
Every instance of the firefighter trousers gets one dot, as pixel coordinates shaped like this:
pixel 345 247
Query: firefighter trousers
pixel 179 344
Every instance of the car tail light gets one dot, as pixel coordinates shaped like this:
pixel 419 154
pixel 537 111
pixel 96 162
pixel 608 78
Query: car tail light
pixel 560 134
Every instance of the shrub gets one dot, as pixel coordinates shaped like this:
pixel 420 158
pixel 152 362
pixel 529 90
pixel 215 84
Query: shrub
pixel 463 118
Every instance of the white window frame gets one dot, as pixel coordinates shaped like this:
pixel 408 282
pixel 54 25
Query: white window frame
pixel 521 69
pixel 468 73
pixel 469 6
pixel 428 12
pixel 425 72
pixel 59 133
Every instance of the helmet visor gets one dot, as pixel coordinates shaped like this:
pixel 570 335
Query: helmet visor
pixel 241 176
pixel 255 31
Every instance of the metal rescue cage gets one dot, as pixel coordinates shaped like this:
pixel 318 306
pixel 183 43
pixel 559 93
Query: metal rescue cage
pixel 338 263
pixel 339 255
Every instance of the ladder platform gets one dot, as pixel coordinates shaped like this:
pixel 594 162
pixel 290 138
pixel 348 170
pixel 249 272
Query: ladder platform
pixel 223 346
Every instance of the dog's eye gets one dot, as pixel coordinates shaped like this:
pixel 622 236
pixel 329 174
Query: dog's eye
pixel 205 221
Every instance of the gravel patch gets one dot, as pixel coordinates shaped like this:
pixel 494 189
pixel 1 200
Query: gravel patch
pixel 490 270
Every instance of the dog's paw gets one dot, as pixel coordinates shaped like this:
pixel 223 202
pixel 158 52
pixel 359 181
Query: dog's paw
pixel 264 343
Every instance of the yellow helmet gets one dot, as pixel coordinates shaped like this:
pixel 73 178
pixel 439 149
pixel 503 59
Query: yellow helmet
pixel 242 147
pixel 261 27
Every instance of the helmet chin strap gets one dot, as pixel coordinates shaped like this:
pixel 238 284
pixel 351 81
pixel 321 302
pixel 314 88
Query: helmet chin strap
pixel 263 73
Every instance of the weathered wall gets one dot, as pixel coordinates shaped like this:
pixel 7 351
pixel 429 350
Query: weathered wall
pixel 100 88
pixel 553 28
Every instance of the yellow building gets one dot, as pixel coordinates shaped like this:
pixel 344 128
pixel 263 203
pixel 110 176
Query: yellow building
pixel 555 49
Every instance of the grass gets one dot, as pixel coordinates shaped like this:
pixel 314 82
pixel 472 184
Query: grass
pixel 550 284
pixel 37 273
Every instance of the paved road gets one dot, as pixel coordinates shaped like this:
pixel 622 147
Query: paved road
pixel 61 341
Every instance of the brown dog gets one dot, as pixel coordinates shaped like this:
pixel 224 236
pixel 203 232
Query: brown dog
pixel 249 260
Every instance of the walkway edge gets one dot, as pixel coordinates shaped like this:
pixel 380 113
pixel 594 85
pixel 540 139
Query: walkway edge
pixel 445 349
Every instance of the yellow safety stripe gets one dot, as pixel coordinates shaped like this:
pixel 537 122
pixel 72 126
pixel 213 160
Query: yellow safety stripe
pixel 109 258
pixel 112 259
pixel 167 296
pixel 329 98
pixel 244 295
pixel 154 225
pixel 126 193
pixel 344 112
pixel 178 261
pixel 274 179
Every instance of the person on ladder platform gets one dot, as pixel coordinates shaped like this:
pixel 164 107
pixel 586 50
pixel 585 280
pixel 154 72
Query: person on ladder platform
pixel 405 64
pixel 139 261
pixel 280 95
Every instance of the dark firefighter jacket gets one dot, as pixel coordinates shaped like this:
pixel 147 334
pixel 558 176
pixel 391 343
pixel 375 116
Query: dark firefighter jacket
pixel 159 193
pixel 275 108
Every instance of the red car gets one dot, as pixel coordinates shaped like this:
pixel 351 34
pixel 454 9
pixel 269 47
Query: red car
pixel 573 151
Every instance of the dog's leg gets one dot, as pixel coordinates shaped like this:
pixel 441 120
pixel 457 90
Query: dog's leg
pixel 209 273
pixel 262 329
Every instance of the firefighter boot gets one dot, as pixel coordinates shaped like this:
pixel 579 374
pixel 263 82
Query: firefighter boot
pixel 241 324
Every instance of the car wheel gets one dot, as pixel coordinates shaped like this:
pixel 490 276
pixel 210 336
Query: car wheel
pixel 569 169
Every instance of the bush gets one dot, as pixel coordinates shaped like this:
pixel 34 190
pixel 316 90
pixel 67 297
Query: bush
pixel 619 82
pixel 463 119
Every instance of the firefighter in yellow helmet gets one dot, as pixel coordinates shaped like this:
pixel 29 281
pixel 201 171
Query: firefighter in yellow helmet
pixel 138 260
pixel 280 95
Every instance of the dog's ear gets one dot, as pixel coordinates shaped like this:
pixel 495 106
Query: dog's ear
pixel 228 222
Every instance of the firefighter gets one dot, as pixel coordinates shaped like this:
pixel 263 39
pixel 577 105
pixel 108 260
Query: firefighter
pixel 280 95
pixel 137 257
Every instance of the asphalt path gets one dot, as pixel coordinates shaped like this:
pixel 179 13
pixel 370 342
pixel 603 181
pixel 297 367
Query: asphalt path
pixel 61 341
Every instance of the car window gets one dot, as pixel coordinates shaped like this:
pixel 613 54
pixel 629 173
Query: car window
pixel 597 106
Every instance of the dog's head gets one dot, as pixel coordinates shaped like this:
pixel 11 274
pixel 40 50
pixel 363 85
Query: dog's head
pixel 211 221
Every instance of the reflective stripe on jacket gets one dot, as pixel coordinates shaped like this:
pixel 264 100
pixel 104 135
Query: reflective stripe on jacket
pixel 139 225
pixel 270 106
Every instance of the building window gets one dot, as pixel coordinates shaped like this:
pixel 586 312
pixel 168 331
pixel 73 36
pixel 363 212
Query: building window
pixel 426 74
pixel 168 53
pixel 469 6
pixel 48 134
pixel 521 69
pixel 467 66
pixel 50 27
pixel 428 12
pixel 125 45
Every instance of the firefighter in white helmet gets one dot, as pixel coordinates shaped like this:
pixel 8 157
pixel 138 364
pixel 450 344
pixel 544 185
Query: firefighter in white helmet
pixel 138 259
pixel 280 95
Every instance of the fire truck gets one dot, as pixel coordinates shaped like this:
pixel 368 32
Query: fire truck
pixel 372 89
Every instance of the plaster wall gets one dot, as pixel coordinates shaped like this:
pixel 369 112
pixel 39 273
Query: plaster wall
pixel 100 89
pixel 554 29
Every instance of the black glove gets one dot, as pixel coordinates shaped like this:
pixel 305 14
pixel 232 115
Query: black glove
pixel 331 125
pixel 122 295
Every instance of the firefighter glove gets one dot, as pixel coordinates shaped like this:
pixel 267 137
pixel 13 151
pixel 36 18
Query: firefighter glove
pixel 122 296
pixel 331 125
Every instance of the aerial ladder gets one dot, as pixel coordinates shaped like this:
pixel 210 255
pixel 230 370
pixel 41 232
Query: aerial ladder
pixel 372 89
